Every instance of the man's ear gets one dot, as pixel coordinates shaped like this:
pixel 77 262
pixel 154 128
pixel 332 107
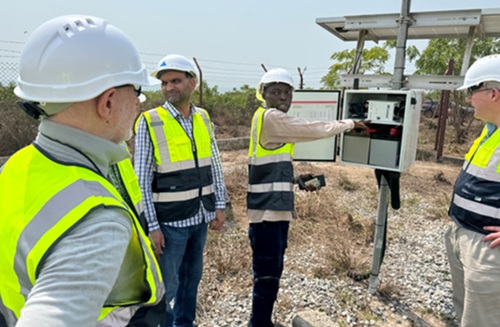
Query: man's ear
pixel 263 93
pixel 192 83
pixel 105 104
pixel 495 94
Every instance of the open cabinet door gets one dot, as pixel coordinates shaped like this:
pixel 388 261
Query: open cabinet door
pixel 316 105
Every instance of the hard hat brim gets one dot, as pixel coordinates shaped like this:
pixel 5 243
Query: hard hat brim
pixel 152 81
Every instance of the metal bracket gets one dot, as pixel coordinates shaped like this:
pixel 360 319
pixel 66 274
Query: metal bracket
pixel 425 82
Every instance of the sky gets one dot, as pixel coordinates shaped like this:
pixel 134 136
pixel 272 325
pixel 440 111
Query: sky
pixel 230 39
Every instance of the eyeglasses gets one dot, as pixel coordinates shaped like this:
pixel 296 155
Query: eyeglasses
pixel 476 88
pixel 137 88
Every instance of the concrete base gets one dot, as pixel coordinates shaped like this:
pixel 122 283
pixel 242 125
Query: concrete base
pixel 310 318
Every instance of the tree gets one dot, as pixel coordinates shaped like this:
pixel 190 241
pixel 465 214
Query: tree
pixel 210 97
pixel 434 58
pixel 373 60
pixel 236 107
pixel 412 51
pixel 434 61
pixel 230 111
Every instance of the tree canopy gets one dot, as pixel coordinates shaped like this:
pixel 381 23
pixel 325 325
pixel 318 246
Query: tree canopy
pixel 435 57
pixel 433 60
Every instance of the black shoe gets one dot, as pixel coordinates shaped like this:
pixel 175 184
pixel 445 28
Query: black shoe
pixel 272 325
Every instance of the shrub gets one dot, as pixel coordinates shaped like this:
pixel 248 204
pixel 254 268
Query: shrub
pixel 17 129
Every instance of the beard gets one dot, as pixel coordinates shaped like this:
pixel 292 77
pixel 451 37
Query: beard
pixel 177 98
pixel 173 99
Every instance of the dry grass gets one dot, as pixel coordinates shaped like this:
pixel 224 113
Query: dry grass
pixel 427 136
pixel 334 227
pixel 347 185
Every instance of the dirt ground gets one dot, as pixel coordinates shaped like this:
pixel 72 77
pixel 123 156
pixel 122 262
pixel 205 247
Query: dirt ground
pixel 338 221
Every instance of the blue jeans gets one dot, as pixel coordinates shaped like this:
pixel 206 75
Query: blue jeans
pixel 269 241
pixel 182 266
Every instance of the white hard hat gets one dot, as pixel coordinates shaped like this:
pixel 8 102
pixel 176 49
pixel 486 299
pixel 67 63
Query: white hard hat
pixel 483 70
pixel 175 62
pixel 275 75
pixel 75 58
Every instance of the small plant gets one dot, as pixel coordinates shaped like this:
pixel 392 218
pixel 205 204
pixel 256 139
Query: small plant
pixel 411 201
pixel 346 184
pixel 440 177
pixel 389 290
pixel 440 208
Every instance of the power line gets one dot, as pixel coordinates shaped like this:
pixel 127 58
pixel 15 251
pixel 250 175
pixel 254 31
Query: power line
pixel 12 42
pixel 229 62
pixel 224 73
pixel 13 51
pixel 230 69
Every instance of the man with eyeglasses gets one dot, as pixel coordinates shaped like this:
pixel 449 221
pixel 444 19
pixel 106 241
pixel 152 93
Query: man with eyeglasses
pixel 74 249
pixel 473 238
pixel 180 173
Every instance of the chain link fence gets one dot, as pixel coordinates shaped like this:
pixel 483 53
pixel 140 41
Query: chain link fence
pixel 8 73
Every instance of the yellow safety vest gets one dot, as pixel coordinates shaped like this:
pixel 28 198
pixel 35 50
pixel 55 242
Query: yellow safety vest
pixel 476 196
pixel 42 200
pixel 131 183
pixel 182 176
pixel 270 174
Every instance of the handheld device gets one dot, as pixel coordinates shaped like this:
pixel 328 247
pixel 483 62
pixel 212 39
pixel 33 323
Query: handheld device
pixel 317 181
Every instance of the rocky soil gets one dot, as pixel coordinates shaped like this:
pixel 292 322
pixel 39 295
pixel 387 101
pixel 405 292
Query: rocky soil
pixel 414 289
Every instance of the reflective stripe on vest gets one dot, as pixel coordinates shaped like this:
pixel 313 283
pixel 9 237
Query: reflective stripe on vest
pixel 270 173
pixel 183 171
pixel 44 200
pixel 9 315
pixel 131 184
pixel 476 197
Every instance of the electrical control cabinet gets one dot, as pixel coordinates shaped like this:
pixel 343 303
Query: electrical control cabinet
pixel 391 143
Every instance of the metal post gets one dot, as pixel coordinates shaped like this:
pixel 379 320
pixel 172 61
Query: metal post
pixel 399 65
pixel 201 82
pixel 378 241
pixel 383 200
pixel 355 65
pixel 301 84
pixel 359 51
pixel 443 114
pixel 468 50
